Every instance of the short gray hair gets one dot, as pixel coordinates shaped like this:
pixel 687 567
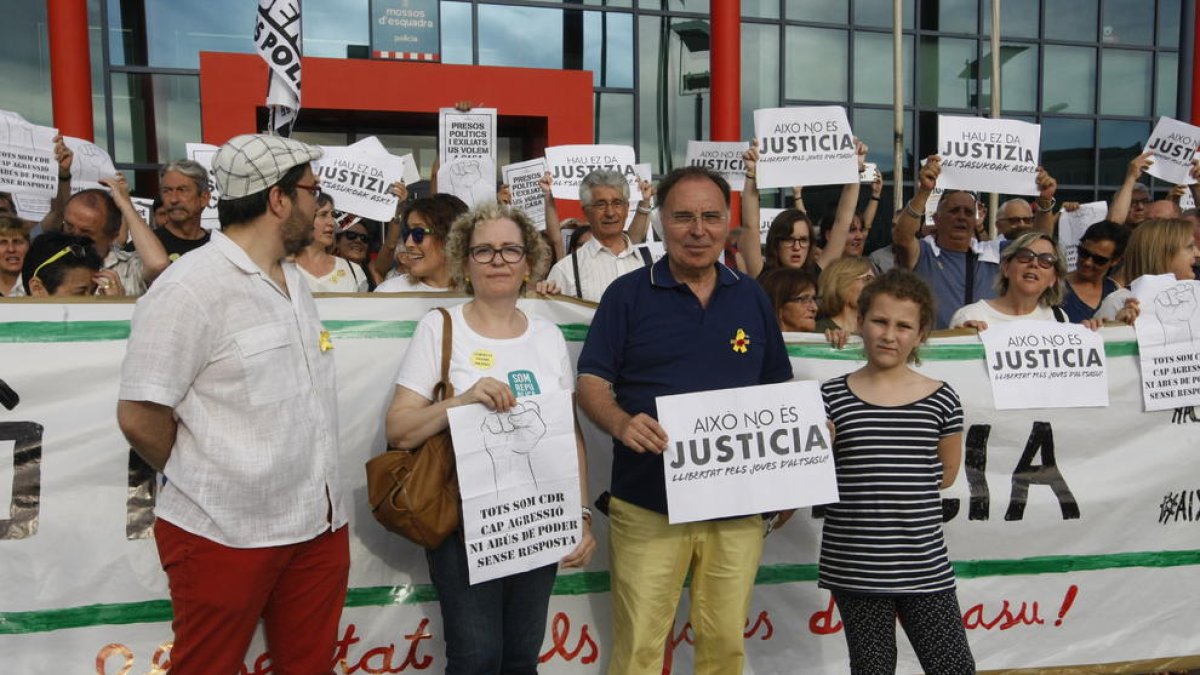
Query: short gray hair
pixel 191 169
pixel 602 178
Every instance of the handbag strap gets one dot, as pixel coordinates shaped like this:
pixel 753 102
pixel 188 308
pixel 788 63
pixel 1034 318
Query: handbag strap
pixel 443 389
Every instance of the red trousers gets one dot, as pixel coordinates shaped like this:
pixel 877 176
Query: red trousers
pixel 219 593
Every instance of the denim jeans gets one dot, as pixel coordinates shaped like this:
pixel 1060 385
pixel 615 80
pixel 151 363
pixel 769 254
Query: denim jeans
pixel 495 627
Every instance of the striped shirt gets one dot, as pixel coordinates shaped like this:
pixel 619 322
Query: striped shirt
pixel 885 535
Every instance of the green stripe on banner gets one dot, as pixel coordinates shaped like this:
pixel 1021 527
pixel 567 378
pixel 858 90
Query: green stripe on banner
pixel 63 331
pixel 950 352
pixel 159 611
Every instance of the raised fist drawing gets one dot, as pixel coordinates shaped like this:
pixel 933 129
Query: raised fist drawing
pixel 509 438
pixel 1177 309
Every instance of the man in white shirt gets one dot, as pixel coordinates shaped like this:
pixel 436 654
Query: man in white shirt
pixel 610 252
pixel 228 389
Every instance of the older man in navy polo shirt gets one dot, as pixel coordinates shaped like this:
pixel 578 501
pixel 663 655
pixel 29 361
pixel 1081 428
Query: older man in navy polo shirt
pixel 671 329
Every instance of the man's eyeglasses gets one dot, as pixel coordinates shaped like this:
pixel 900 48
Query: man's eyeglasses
pixel 1023 220
pixel 418 234
pixel 314 189
pixel 616 205
pixel 350 235
pixel 1083 254
pixel 1044 260
pixel 484 254
pixel 73 249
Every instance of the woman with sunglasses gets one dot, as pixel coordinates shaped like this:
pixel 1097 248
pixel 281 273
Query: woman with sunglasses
pixel 1157 246
pixel 353 243
pixel 1030 286
pixel 1099 251
pixel 424 227
pixel 495 626
pixel 323 271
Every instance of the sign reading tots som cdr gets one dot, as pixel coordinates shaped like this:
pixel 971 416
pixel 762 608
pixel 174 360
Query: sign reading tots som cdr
pixel 406 30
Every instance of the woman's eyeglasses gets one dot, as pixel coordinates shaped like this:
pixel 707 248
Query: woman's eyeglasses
pixel 418 234
pixel 1083 254
pixel 484 255
pixel 805 299
pixel 1044 260
pixel 355 236
pixel 73 249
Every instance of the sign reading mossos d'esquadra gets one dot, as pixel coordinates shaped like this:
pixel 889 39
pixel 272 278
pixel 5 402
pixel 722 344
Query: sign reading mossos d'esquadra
pixel 406 30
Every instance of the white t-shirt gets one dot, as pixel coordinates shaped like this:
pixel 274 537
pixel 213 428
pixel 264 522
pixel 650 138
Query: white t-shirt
pixel 345 277
pixel 401 284
pixel 533 363
pixel 983 311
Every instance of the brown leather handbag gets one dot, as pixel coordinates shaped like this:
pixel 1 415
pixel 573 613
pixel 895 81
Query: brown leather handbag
pixel 414 493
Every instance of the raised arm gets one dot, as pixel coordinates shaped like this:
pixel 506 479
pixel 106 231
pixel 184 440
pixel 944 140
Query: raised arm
pixel 1045 219
pixel 1123 200
pixel 382 264
pixel 872 208
pixel 52 221
pixel 908 225
pixel 641 220
pixel 149 247
pixel 844 216
pixel 553 225
pixel 750 240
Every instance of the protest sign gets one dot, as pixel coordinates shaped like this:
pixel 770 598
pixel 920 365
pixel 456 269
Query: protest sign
pixel 406 30
pixel 724 158
pixel 931 205
pixel 89 164
pixel 765 218
pixel 988 154
pixel 522 180
pixel 31 207
pixel 279 40
pixel 145 209
pixel 202 154
pixel 1168 335
pixel 869 173
pixel 747 450
pixel 804 146
pixel 471 180
pixel 359 178
pixel 1174 144
pixel 518 472
pixel 1045 364
pixel 1072 225
pixel 569 164
pixel 467 135
pixel 27 163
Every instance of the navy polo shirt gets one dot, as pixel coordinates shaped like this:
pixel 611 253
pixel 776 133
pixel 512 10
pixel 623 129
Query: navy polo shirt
pixel 650 337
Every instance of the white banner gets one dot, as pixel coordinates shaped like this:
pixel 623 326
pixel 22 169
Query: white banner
pixel 522 179
pixel 467 135
pixel 1168 334
pixel 734 452
pixel 990 155
pixel 804 146
pixel 724 158
pixel 1045 364
pixel 518 472
pixel 1072 225
pixel 1072 532
pixel 569 164
pixel 1174 144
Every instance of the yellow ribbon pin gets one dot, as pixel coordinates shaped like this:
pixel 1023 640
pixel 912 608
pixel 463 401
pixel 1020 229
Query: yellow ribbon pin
pixel 326 343
pixel 740 341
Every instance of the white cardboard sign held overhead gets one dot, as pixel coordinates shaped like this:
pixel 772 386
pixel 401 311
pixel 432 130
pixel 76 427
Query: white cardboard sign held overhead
pixel 359 178
pixel 988 154
pixel 1072 225
pixel 470 179
pixel 734 452
pixel 1174 145
pixel 27 164
pixel 804 146
pixel 522 179
pixel 724 158
pixel 467 135
pixel 569 164
pixel 89 164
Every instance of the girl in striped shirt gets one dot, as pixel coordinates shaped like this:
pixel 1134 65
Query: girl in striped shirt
pixel 898 441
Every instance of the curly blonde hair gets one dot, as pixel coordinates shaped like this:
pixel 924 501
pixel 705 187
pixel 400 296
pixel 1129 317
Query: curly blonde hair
pixel 458 243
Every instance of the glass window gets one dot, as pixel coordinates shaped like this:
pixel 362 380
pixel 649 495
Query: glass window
pixel 614 119
pixel 126 34
pixel 25 77
pixel 762 9
pixel 1125 82
pixel 951 16
pixel 1169 23
pixel 1018 18
pixel 828 11
pixel 651 59
pixel 1071 20
pixel 873 66
pixel 1073 72
pixel 330 26
pixel 760 72
pixel 154 116
pixel 1018 77
pixel 874 126
pixel 529 37
pixel 879 13
pixel 1165 94
pixel 1120 142
pixel 689 6
pixel 947 78
pixel 181 30
pixel 1128 22
pixel 1068 150
pixel 456 33
pixel 610 3
pixel 608 48
pixel 816 63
